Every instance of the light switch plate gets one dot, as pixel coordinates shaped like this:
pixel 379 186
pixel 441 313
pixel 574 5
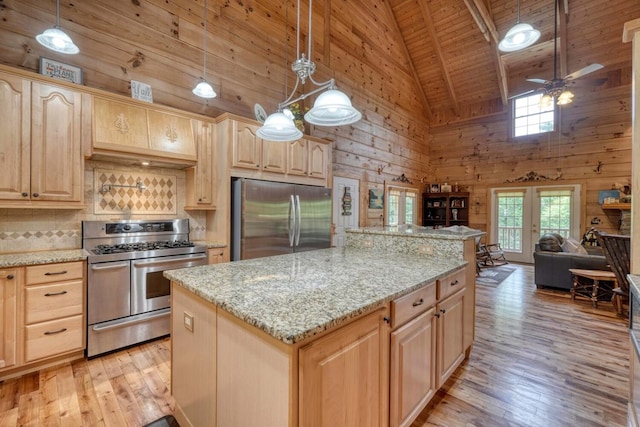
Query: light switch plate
pixel 188 321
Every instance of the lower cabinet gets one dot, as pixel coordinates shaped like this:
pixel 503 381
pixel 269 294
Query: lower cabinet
pixel 10 282
pixel 43 314
pixel 451 348
pixel 342 375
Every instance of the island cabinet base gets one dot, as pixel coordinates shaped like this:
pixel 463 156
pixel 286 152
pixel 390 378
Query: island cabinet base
pixel 228 373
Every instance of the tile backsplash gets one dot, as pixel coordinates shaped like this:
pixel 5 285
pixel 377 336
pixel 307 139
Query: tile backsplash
pixel 23 230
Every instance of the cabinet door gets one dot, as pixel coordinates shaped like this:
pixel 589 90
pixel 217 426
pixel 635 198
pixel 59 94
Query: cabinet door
pixel 205 173
pixel 297 158
pixel 450 335
pixel 247 147
pixel 9 279
pixel 15 98
pixel 352 355
pixel 56 145
pixel 119 126
pixel 413 369
pixel 170 133
pixel 318 159
pixel 274 156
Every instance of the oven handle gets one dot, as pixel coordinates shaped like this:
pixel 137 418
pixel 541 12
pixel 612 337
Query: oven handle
pixel 109 266
pixel 172 260
pixel 125 321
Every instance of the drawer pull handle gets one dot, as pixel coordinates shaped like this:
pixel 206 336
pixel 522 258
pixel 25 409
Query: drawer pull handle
pixel 55 332
pixel 417 303
pixel 55 273
pixel 10 276
pixel 53 294
pixel 387 319
pixel 437 315
pixel 454 283
pixel 443 311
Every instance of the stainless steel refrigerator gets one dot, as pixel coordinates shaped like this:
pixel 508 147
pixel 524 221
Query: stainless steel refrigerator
pixel 273 218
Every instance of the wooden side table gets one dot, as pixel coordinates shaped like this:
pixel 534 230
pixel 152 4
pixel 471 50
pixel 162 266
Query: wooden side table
pixel 593 286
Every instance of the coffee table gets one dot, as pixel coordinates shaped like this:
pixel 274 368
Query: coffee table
pixel 592 283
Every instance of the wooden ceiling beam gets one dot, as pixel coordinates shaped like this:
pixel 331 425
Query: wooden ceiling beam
pixel 483 18
pixel 426 14
pixel 416 78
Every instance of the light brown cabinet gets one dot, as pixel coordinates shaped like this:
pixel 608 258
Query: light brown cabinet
pixel 413 354
pixel 10 279
pixel 131 129
pixel 255 153
pixel 450 342
pixel 201 179
pixel 54 310
pixel 217 255
pixel 355 354
pixel 41 144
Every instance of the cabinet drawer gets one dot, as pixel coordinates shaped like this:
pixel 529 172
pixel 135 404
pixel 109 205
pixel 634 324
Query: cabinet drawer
pixel 48 302
pixel 54 337
pixel 46 273
pixel 410 305
pixel 450 284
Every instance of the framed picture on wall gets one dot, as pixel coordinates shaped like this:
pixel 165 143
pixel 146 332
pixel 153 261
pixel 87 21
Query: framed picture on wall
pixel 435 188
pixel 376 198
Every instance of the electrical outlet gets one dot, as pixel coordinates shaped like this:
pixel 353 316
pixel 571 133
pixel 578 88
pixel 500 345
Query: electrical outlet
pixel 368 242
pixel 425 249
pixel 188 322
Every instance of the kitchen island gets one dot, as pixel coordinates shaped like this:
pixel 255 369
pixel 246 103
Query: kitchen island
pixel 317 337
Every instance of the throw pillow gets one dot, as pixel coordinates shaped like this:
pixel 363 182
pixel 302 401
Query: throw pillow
pixel 572 245
pixel 550 242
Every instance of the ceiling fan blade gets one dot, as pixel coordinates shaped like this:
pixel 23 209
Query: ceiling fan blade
pixel 525 93
pixel 586 70
pixel 541 81
pixel 588 82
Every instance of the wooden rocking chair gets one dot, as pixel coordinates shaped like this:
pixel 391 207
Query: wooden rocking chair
pixel 617 250
pixel 489 255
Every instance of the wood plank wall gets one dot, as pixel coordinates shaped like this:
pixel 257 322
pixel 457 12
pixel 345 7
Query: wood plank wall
pixel 593 148
pixel 160 42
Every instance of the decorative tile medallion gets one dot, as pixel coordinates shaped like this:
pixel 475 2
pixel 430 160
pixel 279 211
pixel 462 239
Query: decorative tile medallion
pixel 135 193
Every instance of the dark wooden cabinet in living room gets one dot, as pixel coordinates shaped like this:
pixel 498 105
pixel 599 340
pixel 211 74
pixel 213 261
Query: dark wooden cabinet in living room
pixel 445 209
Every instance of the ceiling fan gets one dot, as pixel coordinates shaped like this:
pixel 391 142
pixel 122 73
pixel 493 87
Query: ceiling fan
pixel 557 87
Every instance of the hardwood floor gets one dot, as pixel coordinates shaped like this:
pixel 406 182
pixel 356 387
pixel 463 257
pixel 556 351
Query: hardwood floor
pixel 539 359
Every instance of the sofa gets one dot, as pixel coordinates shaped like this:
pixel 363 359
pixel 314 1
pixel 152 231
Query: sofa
pixel 554 256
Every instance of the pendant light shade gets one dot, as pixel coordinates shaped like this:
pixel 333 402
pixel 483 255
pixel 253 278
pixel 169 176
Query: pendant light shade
pixel 204 89
pixel 519 36
pixel 280 128
pixel 56 39
pixel 332 108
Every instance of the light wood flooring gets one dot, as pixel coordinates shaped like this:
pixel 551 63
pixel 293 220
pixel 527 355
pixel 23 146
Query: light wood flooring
pixel 539 359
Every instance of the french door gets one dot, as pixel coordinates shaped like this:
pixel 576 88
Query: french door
pixel 519 216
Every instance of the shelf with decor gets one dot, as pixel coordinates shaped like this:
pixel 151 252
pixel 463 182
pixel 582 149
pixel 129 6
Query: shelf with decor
pixel 618 206
pixel 445 209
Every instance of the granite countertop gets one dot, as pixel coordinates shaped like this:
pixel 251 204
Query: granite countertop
pixel 292 297
pixel 210 244
pixel 455 232
pixel 43 257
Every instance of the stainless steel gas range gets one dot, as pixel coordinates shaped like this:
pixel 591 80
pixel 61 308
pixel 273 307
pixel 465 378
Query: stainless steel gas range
pixel 128 299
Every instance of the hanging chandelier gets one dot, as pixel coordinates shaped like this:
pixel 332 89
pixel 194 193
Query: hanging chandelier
pixel 331 108
pixel 519 36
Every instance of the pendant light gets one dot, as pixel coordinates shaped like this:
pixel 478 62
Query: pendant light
pixel 519 36
pixel 204 89
pixel 56 39
pixel 331 108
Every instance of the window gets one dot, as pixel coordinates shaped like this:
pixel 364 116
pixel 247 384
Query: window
pixel 555 212
pixel 510 219
pixel 402 206
pixel 529 118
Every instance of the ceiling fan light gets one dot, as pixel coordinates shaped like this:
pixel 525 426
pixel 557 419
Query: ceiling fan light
pixel 204 90
pixel 332 108
pixel 280 128
pixel 518 37
pixel 566 97
pixel 58 41
pixel 546 101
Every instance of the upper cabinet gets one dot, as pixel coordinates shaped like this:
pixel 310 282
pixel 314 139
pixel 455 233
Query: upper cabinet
pixel 306 161
pixel 129 129
pixel 40 147
pixel 201 179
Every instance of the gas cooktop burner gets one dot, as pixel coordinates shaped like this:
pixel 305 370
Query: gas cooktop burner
pixel 142 246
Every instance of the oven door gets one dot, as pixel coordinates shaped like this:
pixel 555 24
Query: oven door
pixel 150 290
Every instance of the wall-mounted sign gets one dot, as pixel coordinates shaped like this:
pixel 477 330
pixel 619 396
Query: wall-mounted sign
pixel 141 91
pixel 60 70
pixel 346 201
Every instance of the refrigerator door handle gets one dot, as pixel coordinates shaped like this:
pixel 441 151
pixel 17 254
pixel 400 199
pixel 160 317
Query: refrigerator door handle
pixel 298 220
pixel 292 220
